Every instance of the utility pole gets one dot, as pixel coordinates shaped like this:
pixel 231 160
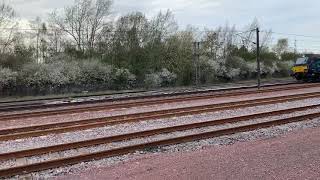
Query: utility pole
pixel 258 58
pixel 196 54
pixel 38 34
pixel 198 64
pixel 295 46
pixel 195 61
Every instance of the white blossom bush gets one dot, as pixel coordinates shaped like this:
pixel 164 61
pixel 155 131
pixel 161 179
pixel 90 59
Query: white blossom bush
pixel 218 67
pixel 227 69
pixel 164 78
pixel 167 78
pixel 246 68
pixel 94 73
pixel 57 74
pixel 208 74
pixel 152 80
pixel 252 67
pixel 72 70
pixel 233 73
pixel 276 68
pixel 124 79
pixel 44 76
pixel 283 68
pixel 268 69
pixel 35 75
pixel 7 77
pixel 238 68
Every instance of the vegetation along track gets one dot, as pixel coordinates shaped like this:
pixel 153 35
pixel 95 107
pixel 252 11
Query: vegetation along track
pixel 144 102
pixel 63 127
pixel 18 170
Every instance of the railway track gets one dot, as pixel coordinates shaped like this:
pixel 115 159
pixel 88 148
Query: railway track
pixel 144 102
pixel 16 105
pixel 174 139
pixel 63 127
pixel 170 132
pixel 123 137
pixel 44 103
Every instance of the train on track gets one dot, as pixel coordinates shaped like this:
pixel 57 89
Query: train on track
pixel 307 68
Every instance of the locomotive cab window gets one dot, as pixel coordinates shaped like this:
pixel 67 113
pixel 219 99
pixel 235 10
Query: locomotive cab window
pixel 316 63
pixel 302 61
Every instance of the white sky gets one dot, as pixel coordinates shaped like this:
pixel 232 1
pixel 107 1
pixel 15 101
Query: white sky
pixel 285 16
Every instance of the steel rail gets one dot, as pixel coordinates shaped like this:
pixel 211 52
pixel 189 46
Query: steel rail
pixel 41 130
pixel 14 105
pixel 152 132
pixel 17 116
pixel 25 169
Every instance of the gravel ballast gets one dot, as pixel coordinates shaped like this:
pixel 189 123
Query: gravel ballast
pixel 49 140
pixel 218 89
pixel 124 111
pixel 185 147
pixel 110 146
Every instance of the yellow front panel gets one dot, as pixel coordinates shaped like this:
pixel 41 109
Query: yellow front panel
pixel 300 69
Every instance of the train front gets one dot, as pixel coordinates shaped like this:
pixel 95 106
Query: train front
pixel 300 69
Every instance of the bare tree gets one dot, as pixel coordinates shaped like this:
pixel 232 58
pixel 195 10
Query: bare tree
pixel 83 21
pixel 212 44
pixel 55 40
pixel 162 25
pixel 249 35
pixel 266 38
pixel 281 47
pixel 41 35
pixel 7 15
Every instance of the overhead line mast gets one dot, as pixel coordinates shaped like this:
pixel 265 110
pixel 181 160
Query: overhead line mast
pixel 258 58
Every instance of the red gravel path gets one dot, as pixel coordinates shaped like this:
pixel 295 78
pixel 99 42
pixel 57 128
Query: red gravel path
pixel 294 156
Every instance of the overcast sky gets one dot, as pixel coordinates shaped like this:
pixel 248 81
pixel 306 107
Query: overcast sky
pixel 284 16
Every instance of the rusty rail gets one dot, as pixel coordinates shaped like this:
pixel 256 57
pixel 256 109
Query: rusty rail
pixel 141 134
pixel 17 105
pixel 154 101
pixel 129 149
pixel 40 130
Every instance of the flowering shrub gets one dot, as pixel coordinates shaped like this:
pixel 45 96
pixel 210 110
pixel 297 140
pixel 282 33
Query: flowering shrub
pixel 163 78
pixel 223 69
pixel 35 76
pixel 57 74
pixel 238 68
pixel 7 77
pixel 123 79
pixel 72 70
pixel 218 67
pixel 167 78
pixel 42 76
pixel 152 80
pixel 94 73
pixel 90 75
pixel 283 68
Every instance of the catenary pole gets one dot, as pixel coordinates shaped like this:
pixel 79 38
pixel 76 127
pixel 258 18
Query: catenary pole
pixel 258 58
